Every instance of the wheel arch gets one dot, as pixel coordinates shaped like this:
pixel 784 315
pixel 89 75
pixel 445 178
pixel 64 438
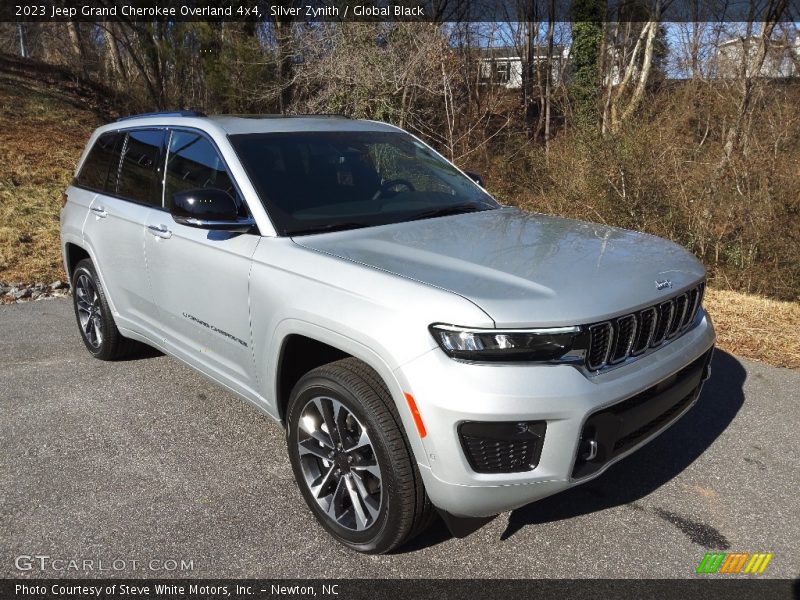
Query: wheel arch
pixel 299 354
pixel 303 344
pixel 73 254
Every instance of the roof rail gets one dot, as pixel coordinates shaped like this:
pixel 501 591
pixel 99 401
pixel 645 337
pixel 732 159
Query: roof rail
pixel 324 115
pixel 294 116
pixel 166 113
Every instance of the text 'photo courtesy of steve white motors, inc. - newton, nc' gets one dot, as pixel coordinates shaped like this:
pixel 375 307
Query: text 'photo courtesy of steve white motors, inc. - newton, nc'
pixel 192 11
pixel 176 590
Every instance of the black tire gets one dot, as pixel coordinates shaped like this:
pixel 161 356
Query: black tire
pixel 405 509
pixel 101 338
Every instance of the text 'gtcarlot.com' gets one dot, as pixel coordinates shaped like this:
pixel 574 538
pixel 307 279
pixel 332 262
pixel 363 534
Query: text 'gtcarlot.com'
pixel 47 563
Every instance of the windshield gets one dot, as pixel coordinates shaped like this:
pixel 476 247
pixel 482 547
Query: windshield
pixel 311 182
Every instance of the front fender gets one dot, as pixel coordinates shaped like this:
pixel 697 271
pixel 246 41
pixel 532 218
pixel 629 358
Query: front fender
pixel 268 371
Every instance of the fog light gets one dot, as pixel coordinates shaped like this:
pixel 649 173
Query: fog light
pixel 588 450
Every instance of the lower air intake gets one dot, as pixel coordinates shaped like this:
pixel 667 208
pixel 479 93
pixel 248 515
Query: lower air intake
pixel 504 447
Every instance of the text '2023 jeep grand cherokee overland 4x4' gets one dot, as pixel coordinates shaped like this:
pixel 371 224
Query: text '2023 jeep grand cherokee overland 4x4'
pixel 424 346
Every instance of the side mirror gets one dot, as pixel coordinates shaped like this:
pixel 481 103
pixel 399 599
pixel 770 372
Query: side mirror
pixel 208 209
pixel 475 177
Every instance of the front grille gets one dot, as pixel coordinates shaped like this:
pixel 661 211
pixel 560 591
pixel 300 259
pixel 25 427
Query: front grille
pixel 612 342
pixel 620 427
pixel 502 447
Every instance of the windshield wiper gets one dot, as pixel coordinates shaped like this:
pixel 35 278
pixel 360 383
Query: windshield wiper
pixel 328 228
pixel 455 209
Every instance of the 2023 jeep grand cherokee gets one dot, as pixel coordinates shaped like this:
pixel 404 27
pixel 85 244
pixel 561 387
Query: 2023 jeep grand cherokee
pixel 424 346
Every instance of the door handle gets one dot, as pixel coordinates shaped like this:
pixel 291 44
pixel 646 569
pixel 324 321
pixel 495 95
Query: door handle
pixel 160 231
pixel 99 211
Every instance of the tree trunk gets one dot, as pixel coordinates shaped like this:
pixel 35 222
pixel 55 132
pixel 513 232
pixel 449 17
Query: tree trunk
pixel 617 115
pixel 607 78
pixel 133 39
pixel 647 64
pixel 23 40
pixel 549 75
pixel 77 45
pixel 115 60
pixel 283 37
pixel 528 67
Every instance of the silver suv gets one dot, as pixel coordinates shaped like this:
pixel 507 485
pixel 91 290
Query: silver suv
pixel 427 349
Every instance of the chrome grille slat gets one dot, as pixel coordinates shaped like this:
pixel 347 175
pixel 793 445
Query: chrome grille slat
pixel 631 336
pixel 701 289
pixel 646 320
pixel 599 345
pixel 666 310
pixel 691 301
pixel 614 341
pixel 677 320
pixel 624 334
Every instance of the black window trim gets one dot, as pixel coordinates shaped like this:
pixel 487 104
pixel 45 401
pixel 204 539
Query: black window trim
pixel 161 161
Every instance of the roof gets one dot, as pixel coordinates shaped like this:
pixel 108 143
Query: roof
pixel 233 124
pixel 241 124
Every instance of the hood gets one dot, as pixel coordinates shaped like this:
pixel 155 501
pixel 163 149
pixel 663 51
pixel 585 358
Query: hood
pixel 523 269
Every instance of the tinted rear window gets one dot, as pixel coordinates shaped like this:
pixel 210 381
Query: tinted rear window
pixel 138 171
pixel 94 171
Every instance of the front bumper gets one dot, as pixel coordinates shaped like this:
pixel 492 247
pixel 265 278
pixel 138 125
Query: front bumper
pixel 449 393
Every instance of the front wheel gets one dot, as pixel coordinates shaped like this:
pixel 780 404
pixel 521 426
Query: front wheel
pixel 351 459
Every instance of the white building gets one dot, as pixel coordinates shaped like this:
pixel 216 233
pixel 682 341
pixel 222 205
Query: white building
pixel 782 59
pixel 503 65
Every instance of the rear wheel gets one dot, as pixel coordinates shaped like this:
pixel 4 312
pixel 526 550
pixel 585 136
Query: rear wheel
pixel 351 459
pixel 95 321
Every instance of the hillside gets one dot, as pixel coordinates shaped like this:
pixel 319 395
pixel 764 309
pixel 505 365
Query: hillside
pixel 46 118
pixel 43 128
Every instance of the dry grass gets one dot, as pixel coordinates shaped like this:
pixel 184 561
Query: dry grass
pixel 41 138
pixel 756 327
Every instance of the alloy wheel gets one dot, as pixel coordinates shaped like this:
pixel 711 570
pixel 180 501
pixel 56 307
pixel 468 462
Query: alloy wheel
pixel 90 313
pixel 339 464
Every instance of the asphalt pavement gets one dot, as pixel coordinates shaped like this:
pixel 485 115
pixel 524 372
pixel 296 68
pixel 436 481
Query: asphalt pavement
pixel 145 460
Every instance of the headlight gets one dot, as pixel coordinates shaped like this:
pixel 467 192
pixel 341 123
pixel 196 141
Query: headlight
pixel 505 344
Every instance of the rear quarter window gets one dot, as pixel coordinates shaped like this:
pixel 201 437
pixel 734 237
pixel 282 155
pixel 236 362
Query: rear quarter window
pixel 94 171
pixel 137 177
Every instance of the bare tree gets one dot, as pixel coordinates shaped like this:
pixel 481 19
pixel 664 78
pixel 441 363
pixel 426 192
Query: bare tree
pixel 632 66
pixel 750 69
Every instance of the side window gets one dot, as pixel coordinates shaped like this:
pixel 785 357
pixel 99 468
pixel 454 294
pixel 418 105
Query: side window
pixel 138 173
pixel 194 163
pixel 94 171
